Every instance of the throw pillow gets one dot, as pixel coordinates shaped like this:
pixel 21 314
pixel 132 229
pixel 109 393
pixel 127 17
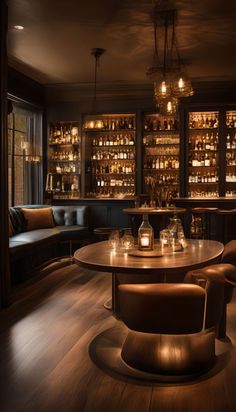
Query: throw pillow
pixel 17 220
pixel 11 229
pixel 38 218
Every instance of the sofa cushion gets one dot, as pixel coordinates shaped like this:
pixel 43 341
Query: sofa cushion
pixel 37 235
pixel 24 243
pixel 38 218
pixel 74 232
pixel 17 219
pixel 70 215
pixel 17 247
pixel 11 229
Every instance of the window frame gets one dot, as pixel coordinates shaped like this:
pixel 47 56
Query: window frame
pixel 34 136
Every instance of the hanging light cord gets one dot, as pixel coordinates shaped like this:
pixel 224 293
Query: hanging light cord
pixel 96 52
pixel 155 39
pixel 95 80
pixel 165 48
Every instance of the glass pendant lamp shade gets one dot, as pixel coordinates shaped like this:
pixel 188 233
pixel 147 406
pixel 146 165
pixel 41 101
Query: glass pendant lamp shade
pixel 167 71
pixel 162 89
pixel 167 106
pixel 174 88
pixel 145 235
pixel 182 87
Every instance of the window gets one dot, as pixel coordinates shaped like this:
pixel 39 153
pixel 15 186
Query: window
pixel 24 155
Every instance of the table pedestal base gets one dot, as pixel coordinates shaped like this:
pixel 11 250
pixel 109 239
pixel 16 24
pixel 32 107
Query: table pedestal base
pixel 105 351
pixel 169 354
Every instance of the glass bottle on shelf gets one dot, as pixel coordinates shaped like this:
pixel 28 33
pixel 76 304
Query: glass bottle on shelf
pixel 203 159
pixel 160 153
pixel 64 160
pixel 111 152
pixel 230 146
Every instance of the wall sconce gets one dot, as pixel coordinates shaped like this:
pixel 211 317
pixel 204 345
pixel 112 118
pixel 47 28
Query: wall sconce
pixel 30 152
pixel 145 235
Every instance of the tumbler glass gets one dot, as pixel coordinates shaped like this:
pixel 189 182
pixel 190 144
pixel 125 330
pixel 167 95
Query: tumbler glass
pixel 114 239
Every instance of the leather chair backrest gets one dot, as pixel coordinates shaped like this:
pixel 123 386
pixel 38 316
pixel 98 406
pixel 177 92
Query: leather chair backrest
pixel 229 253
pixel 163 308
pixel 215 289
pixel 218 273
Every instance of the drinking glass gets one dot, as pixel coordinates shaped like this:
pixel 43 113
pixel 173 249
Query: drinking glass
pixel 114 239
pixel 127 240
pixel 166 240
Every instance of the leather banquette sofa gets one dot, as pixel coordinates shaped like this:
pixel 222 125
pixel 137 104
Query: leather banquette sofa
pixel 39 233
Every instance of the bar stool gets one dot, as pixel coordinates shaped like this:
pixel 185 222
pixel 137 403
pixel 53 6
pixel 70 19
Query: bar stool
pixel 226 224
pixel 201 222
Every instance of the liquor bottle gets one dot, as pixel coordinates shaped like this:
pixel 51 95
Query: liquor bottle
pixel 212 145
pixel 165 125
pixel 213 161
pixel 131 123
pixel 131 140
pixel 107 141
pixel 176 164
pixel 161 163
pixel 212 121
pixel 213 177
pixel 207 160
pixel 207 142
pixel 102 183
pixel 193 161
pixel 234 142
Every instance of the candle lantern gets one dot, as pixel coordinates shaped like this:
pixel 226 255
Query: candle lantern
pixel 145 235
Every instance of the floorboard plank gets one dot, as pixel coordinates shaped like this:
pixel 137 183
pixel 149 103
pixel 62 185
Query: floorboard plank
pixel 45 364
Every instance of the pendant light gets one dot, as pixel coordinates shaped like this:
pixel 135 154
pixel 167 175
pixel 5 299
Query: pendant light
pixel 168 72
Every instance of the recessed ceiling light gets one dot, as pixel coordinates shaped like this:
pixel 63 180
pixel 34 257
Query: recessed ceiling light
pixel 18 27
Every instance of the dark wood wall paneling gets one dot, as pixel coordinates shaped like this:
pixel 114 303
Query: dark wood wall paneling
pixel 24 88
pixel 4 250
pixel 66 102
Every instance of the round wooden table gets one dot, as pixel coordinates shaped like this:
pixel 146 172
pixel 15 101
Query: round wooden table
pixel 132 269
pixel 156 211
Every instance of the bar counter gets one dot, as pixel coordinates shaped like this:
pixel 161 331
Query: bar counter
pixel 110 212
pixel 220 202
pixel 222 225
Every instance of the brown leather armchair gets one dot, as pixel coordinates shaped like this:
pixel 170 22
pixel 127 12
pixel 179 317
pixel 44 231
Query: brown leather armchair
pixel 171 327
pixel 224 272
pixel 229 254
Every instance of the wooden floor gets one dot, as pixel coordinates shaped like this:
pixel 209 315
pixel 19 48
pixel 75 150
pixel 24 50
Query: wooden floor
pixel 45 364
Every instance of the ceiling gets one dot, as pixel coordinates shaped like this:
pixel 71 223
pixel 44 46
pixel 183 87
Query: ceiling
pixel 55 46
